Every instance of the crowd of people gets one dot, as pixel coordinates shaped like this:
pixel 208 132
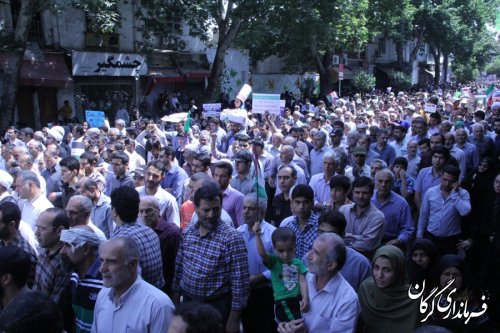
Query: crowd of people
pixel 373 213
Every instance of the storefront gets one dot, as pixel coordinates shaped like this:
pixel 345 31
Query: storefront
pixel 44 75
pixel 182 74
pixel 107 81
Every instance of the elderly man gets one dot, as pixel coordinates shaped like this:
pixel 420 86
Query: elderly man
pixel 483 143
pixel 168 233
pixel 212 264
pixel 334 305
pixel 78 210
pixel 101 205
pixel 128 303
pixel 470 150
pixel 260 302
pixel 286 157
pixel 357 267
pixel 28 187
pixel 320 182
pixel 125 210
pixel 317 153
pixel 398 226
pixel 80 252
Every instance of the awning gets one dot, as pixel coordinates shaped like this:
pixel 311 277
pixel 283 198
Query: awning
pixel 160 75
pixel 196 73
pixel 52 72
pixel 167 75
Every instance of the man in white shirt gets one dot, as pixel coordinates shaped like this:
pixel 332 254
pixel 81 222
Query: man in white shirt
pixel 28 187
pixel 169 209
pixel 127 303
pixel 334 305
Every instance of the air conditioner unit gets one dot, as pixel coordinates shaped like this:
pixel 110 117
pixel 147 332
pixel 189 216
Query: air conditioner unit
pixel 335 60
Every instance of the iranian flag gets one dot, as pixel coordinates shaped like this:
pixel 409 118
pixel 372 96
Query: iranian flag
pixel 489 95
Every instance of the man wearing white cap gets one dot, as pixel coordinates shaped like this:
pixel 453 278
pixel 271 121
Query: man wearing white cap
pixel 80 251
pixel 5 185
pixel 237 120
pixel 55 135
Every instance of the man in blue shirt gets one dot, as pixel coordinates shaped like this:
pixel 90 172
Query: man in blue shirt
pixel 175 176
pixel 443 207
pixel 398 225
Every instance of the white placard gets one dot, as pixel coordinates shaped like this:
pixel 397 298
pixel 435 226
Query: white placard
pixel 108 64
pixel 429 107
pixel 212 109
pixel 266 102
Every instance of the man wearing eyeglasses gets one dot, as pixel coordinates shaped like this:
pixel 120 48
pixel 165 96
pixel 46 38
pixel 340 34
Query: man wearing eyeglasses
pixel 51 278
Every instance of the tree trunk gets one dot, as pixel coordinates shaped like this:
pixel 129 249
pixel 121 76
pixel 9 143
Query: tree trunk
pixel 445 66
pixel 399 54
pixel 414 52
pixel 437 66
pixel 226 38
pixel 9 75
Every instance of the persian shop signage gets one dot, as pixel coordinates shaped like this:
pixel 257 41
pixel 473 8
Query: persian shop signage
pixel 108 64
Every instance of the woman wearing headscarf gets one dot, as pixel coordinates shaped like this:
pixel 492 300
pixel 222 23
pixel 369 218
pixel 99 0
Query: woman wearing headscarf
pixel 452 267
pixel 478 225
pixel 385 305
pixel 420 260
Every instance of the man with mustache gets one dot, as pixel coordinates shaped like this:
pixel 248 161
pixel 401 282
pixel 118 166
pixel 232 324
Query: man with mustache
pixel 212 264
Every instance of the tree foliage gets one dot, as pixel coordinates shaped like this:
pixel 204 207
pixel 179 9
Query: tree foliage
pixel 494 67
pixel 206 19
pixel 308 33
pixel 399 80
pixel 105 17
pixel 363 82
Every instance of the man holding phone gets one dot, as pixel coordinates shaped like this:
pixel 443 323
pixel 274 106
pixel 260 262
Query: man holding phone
pixel 443 207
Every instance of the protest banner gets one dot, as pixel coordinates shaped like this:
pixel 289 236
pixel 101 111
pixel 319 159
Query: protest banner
pixel 266 102
pixel 212 109
pixel 430 108
pixel 95 118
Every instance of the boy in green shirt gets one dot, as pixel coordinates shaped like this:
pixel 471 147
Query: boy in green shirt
pixel 288 274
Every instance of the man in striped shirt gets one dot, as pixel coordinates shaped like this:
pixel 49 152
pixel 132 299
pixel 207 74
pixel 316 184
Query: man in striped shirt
pixel 80 252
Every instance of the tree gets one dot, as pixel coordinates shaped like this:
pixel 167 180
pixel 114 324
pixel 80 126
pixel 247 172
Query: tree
pixel 308 33
pixel 364 82
pixel 400 80
pixel 13 41
pixel 206 19
pixel 494 67
pixel 394 21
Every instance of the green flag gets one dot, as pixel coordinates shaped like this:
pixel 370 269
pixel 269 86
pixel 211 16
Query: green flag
pixel 187 124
